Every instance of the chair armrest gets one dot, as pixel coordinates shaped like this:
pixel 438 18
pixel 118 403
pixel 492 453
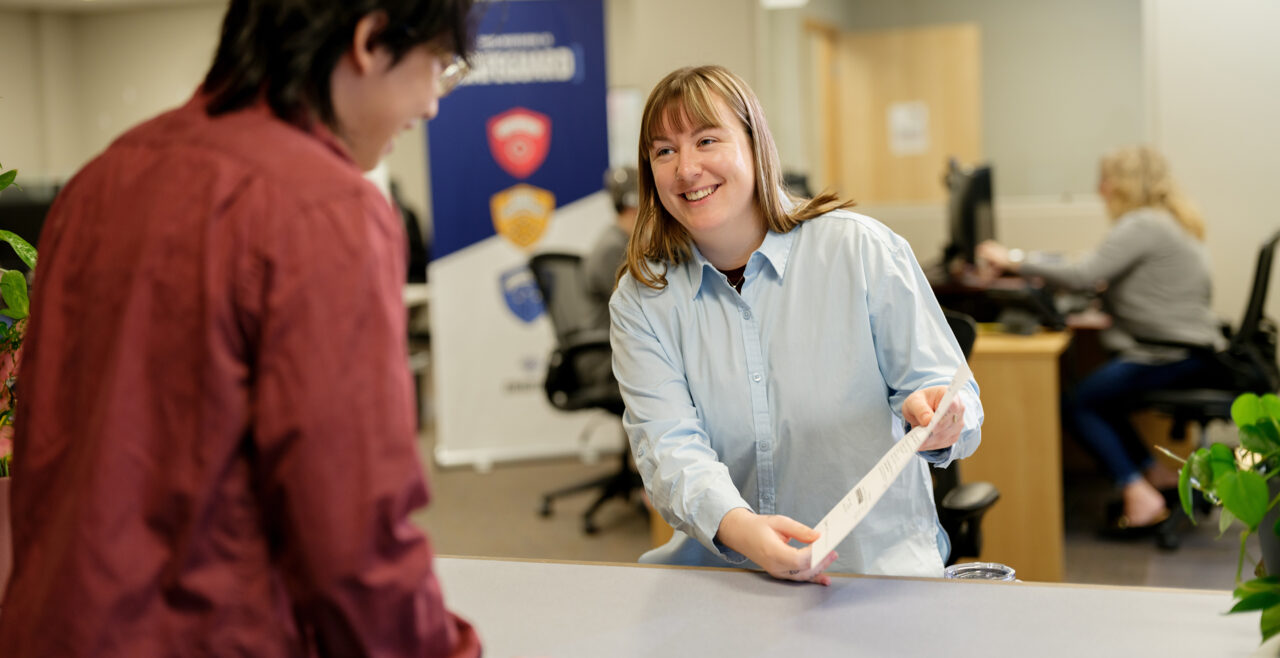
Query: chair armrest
pixel 971 497
pixel 585 341
pixel 580 374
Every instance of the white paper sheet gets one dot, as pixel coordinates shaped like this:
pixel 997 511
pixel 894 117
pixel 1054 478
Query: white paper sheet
pixel 855 505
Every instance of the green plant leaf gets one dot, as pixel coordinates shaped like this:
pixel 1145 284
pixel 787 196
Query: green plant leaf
pixel 1184 491
pixel 13 287
pixel 23 248
pixel 1263 584
pixel 1262 437
pixel 1244 494
pixel 1270 622
pixel 6 179
pixel 1222 460
pixel 1246 409
pixel 1259 601
pixel 1198 462
pixel 1270 406
pixel 1225 519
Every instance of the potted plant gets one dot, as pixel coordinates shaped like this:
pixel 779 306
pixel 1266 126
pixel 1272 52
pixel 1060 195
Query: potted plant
pixel 1243 481
pixel 13 288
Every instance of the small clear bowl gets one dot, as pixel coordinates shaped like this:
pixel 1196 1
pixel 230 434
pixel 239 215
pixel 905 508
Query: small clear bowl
pixel 980 571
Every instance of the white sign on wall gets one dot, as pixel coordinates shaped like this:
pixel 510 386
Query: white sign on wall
pixel 908 128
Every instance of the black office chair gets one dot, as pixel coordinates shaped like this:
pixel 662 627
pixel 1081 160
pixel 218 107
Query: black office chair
pixel 1248 365
pixel 961 506
pixel 580 372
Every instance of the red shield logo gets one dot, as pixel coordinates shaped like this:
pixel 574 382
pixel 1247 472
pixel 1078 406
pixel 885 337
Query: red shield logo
pixel 519 140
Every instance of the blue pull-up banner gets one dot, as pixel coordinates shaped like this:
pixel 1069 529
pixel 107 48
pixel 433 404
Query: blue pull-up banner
pixel 518 155
pixel 525 133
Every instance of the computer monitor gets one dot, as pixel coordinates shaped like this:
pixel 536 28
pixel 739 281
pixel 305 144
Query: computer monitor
pixel 971 218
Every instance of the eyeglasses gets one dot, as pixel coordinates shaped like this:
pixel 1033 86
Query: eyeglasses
pixel 452 75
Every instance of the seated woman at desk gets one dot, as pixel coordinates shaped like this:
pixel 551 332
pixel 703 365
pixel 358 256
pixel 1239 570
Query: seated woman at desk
pixel 769 350
pixel 1155 271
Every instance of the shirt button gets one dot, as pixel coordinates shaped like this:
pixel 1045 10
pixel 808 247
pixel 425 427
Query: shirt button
pixel 755 377
pixel 746 314
pixel 765 445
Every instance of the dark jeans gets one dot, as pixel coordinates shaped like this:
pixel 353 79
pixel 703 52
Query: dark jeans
pixel 1097 411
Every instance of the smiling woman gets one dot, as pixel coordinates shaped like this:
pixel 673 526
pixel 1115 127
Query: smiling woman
pixel 707 99
pixel 704 175
pixel 769 349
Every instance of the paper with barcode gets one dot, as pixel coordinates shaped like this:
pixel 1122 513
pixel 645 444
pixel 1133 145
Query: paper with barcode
pixel 850 511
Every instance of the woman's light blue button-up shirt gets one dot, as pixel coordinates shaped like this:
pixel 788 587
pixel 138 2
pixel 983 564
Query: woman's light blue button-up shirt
pixel 781 398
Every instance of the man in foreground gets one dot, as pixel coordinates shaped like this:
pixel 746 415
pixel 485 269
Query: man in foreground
pixel 216 446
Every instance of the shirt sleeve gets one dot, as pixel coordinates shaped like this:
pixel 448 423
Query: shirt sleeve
pixel 1124 246
pixel 687 483
pixel 334 434
pixel 914 346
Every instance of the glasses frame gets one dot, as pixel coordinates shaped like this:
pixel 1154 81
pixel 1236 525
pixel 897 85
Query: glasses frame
pixel 455 70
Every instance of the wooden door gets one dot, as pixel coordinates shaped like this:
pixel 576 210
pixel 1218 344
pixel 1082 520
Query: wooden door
pixel 894 106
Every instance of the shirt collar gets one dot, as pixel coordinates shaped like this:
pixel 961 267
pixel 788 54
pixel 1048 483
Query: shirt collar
pixel 774 250
pixel 317 129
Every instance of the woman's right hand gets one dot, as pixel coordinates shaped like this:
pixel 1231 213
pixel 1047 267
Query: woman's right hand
pixel 763 540
pixel 996 255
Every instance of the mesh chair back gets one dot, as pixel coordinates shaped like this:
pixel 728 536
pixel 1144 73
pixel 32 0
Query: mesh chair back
pixel 563 285
pixel 1250 359
pixel 579 372
pixel 1258 296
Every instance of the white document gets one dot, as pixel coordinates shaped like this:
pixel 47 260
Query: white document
pixel 850 511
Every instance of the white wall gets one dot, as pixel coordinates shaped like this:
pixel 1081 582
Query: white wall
pixel 75 81
pixel 21 119
pixel 647 39
pixel 60 99
pixel 133 64
pixel 1214 75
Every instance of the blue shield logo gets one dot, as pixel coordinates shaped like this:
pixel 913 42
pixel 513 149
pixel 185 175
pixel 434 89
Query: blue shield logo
pixel 520 291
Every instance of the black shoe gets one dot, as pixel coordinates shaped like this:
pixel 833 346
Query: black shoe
pixel 1117 525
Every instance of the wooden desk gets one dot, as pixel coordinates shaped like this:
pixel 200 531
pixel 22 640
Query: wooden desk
pixel 563 609
pixel 1021 451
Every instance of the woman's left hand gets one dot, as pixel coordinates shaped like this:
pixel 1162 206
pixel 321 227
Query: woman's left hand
pixel 919 408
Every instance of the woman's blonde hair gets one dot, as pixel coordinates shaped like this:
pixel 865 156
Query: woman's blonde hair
pixel 688 95
pixel 1138 177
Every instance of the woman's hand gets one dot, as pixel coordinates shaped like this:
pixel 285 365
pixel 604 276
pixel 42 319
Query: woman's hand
pixel 919 408
pixel 763 540
pixel 997 256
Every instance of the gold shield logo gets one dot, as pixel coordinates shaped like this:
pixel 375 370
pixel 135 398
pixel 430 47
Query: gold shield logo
pixel 521 213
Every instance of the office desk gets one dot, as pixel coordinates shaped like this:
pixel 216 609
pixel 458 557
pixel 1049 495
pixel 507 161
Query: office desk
pixel 567 610
pixel 1021 451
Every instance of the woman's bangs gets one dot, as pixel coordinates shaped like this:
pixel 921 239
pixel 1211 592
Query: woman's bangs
pixel 687 104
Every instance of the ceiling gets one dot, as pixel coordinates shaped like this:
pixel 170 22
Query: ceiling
pixel 97 5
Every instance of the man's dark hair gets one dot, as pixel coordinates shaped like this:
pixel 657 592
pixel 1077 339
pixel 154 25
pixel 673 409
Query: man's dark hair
pixel 286 50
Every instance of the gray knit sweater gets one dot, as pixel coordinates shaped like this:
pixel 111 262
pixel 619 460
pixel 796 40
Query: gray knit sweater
pixel 1157 285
